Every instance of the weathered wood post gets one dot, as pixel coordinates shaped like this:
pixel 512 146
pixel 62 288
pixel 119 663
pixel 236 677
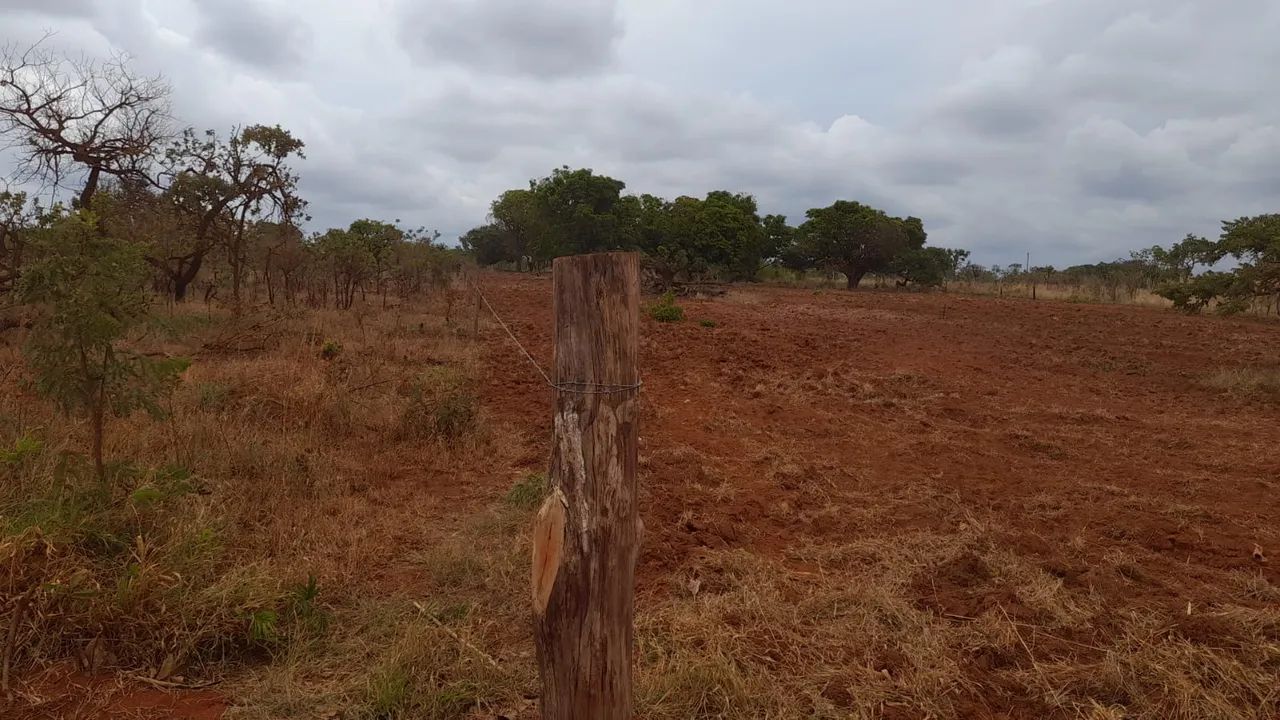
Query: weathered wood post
pixel 587 533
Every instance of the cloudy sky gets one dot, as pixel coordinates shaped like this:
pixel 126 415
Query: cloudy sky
pixel 1072 129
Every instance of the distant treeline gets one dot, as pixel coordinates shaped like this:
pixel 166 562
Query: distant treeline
pixel 723 236
pixel 195 210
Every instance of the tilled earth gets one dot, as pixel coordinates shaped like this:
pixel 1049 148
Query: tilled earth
pixel 1082 438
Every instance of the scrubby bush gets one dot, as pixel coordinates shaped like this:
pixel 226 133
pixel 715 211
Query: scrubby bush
pixel 87 289
pixel 666 309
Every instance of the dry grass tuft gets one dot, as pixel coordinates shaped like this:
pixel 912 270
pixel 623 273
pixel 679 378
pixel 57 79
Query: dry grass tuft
pixel 929 625
pixel 1247 382
pixel 453 643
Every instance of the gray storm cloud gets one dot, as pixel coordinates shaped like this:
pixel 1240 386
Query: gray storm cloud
pixel 1074 130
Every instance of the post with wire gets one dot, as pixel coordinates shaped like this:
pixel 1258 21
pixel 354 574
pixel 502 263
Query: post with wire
pixel 587 533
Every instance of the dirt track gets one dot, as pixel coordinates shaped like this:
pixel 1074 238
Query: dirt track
pixel 1078 432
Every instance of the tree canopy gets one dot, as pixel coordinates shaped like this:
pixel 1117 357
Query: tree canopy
pixel 856 239
pixel 1252 243
pixel 721 234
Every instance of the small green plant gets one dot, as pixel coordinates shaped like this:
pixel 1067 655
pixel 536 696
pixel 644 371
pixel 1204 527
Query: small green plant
pixel 264 627
pixel 708 323
pixel 529 492
pixel 24 449
pixel 331 349
pixel 304 606
pixel 89 291
pixel 163 484
pixel 666 309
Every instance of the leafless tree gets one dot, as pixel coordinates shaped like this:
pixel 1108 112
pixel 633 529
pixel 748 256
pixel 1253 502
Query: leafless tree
pixel 76 118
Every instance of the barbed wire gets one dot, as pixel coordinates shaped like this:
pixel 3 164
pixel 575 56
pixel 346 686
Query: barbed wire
pixel 577 387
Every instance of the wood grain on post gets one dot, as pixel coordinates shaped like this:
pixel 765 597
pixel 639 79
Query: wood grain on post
pixel 587 533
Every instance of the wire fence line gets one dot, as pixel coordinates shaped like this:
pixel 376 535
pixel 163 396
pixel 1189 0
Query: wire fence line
pixel 571 386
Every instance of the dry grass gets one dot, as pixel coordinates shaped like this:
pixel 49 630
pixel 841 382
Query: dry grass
pixel 452 644
pixel 1247 382
pixel 1082 293
pixel 264 489
pixel 855 639
pixel 287 530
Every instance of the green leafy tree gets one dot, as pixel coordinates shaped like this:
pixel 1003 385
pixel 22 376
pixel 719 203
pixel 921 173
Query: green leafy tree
pixel 486 244
pixel 419 263
pixel 1179 262
pixel 972 272
pixel 379 240
pixel 347 260
pixel 88 289
pixel 738 240
pixel 663 252
pixel 928 267
pixel 956 259
pixel 778 236
pixel 856 239
pixel 583 213
pixel 690 236
pixel 675 237
pixel 516 213
pixel 1254 244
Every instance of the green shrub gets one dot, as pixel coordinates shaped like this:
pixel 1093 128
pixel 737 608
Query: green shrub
pixel 87 289
pixel 178 327
pixel 331 349
pixel 707 323
pixel 666 309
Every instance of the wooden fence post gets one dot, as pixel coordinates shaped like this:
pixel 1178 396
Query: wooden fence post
pixel 475 290
pixel 587 533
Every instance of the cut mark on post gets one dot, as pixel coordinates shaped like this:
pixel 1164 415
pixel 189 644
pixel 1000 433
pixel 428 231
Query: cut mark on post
pixel 548 548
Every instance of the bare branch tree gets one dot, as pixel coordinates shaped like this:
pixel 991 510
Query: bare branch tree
pixel 73 118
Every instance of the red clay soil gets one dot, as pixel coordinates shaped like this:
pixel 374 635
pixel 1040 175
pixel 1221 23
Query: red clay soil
pixel 1078 433
pixel 62 693
pixel 1005 405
